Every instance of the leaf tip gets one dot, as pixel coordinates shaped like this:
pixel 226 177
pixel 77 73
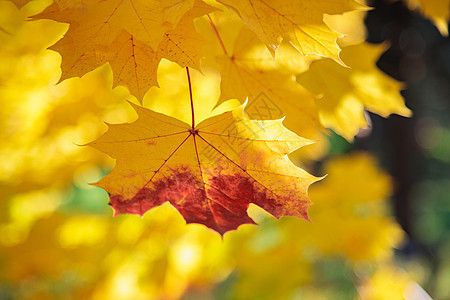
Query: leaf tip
pixel 338 59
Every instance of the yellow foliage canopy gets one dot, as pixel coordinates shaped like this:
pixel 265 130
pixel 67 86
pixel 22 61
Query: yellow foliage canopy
pixel 135 36
pixel 157 256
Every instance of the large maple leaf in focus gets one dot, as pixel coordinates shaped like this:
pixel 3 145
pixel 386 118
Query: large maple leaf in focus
pixel 133 36
pixel 210 173
pixel 300 22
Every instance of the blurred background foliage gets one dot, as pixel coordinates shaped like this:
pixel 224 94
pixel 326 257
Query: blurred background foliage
pixel 372 235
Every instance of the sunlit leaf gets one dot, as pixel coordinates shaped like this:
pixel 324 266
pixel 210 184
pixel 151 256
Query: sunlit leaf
pixel 210 173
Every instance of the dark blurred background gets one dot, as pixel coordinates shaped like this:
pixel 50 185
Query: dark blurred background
pixel 416 151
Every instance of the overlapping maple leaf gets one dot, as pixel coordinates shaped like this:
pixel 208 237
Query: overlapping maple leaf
pixel 210 171
pixel 300 22
pixel 133 36
pixel 346 92
pixel 272 90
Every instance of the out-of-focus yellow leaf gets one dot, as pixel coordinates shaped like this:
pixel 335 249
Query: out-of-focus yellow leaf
pixel 346 92
pixel 437 10
pixel 349 217
pixel 350 25
pixel 388 282
pixel 121 258
pixel 369 183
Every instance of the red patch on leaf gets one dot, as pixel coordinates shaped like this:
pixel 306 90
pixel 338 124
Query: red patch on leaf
pixel 221 207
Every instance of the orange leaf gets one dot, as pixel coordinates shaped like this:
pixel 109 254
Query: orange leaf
pixel 132 37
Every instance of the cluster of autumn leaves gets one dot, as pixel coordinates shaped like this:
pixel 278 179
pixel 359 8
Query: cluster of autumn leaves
pixel 283 59
pixel 78 252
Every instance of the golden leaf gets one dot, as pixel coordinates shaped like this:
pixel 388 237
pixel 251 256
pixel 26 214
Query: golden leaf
pixel 299 22
pixel 132 37
pixel 346 92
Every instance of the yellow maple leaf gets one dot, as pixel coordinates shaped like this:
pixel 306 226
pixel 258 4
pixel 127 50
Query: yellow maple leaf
pixel 222 30
pixel 300 22
pixel 135 64
pixel 272 91
pixel 210 172
pixel 183 44
pixel 248 70
pixel 99 22
pixel 346 92
pixel 102 32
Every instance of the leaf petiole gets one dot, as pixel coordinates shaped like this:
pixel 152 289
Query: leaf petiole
pixel 190 95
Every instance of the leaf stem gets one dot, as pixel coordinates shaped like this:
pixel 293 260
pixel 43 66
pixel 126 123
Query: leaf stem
pixel 190 95
pixel 218 35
